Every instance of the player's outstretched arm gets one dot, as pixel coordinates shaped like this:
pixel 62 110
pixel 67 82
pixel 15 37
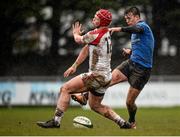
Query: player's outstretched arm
pixel 82 56
pixel 115 29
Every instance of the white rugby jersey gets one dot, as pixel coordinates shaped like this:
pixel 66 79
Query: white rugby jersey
pixel 100 50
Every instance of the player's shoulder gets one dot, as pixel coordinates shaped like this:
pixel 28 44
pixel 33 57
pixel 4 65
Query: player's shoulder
pixel 97 31
pixel 143 24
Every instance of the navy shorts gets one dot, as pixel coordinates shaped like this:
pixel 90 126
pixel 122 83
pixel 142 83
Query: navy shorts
pixel 137 74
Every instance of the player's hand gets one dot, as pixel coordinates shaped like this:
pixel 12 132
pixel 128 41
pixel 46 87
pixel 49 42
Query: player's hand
pixel 69 71
pixel 77 28
pixel 126 51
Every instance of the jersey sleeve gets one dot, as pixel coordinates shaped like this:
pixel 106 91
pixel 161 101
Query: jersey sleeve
pixel 133 29
pixel 89 37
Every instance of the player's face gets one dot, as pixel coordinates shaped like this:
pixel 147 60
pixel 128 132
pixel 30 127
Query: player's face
pixel 96 21
pixel 130 19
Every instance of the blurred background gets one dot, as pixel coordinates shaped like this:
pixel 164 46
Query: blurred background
pixel 36 47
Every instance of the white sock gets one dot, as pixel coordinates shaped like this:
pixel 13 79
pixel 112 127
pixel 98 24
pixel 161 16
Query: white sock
pixel 58 119
pixel 58 115
pixel 120 121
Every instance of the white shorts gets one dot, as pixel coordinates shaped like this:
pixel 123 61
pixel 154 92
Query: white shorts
pixel 96 83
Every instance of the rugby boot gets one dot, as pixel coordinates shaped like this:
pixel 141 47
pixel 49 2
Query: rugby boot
pixel 80 98
pixel 125 125
pixel 133 125
pixel 48 124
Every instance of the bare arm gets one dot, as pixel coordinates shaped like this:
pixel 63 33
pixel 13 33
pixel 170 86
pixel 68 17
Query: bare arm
pixel 82 55
pixel 80 59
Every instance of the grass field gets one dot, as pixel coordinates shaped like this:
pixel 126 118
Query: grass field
pixel 21 121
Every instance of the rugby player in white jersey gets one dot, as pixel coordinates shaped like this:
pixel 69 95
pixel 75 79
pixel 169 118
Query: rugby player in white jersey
pixel 98 47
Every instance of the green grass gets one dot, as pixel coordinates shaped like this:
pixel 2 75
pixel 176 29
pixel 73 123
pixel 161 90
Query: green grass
pixel 21 121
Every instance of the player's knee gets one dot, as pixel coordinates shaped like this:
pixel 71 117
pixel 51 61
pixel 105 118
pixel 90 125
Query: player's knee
pixel 115 79
pixel 129 103
pixel 64 88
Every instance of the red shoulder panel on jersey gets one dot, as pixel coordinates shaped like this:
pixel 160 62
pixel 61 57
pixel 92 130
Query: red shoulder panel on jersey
pixel 100 33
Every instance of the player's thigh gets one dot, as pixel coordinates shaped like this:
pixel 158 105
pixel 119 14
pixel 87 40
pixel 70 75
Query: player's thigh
pixel 75 85
pixel 139 77
pixel 117 77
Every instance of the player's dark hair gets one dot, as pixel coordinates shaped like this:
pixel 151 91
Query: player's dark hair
pixel 133 10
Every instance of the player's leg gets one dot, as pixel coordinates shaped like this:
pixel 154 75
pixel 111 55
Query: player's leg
pixel 117 77
pixel 95 104
pixel 138 77
pixel 131 106
pixel 69 87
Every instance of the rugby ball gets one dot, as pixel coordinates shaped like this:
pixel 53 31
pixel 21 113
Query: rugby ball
pixel 82 122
